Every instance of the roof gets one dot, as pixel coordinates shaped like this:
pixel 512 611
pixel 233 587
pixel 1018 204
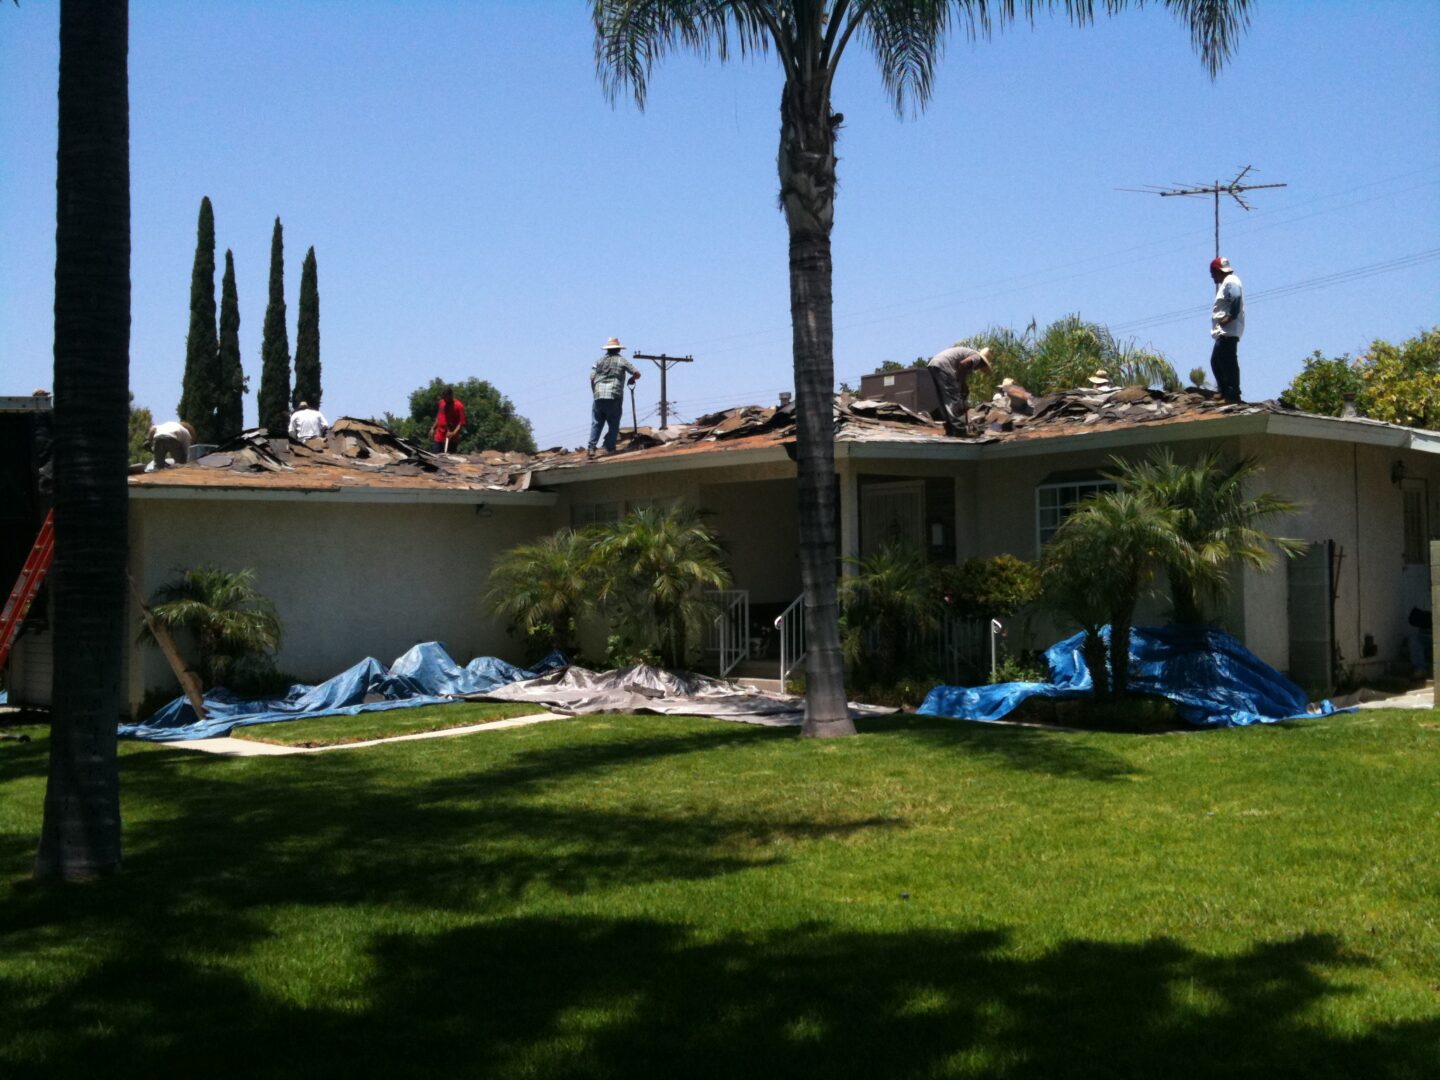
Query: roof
pixel 363 459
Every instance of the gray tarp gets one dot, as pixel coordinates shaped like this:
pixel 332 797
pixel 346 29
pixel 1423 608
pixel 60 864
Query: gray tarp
pixel 646 689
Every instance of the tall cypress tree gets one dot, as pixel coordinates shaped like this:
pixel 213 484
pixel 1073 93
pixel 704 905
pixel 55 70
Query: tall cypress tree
pixel 275 346
pixel 307 336
pixel 200 390
pixel 230 408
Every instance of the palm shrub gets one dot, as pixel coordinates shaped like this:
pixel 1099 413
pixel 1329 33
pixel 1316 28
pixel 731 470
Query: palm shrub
pixel 1218 524
pixel 1064 354
pixel 1099 564
pixel 889 600
pixel 544 589
pixel 234 627
pixel 651 570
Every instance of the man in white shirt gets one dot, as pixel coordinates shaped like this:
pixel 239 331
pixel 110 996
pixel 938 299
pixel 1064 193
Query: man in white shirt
pixel 1227 324
pixel 308 423
pixel 170 440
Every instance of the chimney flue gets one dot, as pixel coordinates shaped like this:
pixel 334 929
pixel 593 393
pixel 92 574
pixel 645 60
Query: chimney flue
pixel 1349 409
pixel 784 398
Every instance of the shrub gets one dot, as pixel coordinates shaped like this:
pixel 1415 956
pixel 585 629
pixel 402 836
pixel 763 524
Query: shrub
pixel 993 588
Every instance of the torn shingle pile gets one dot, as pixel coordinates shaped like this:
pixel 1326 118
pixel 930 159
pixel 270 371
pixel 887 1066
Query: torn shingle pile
pixel 1071 410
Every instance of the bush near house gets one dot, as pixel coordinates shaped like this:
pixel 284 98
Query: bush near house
pixel 1397 383
pixel 645 575
pixel 235 629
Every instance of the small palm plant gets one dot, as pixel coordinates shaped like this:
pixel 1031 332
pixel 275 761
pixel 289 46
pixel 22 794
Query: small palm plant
pixel 233 626
pixel 1219 524
pixel 651 568
pixel 1099 564
pixel 544 588
pixel 891 599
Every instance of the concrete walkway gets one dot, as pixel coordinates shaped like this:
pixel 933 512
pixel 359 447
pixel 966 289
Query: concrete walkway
pixel 1422 698
pixel 245 748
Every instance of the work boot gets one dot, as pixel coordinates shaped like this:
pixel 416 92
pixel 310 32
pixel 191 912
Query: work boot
pixel 589 453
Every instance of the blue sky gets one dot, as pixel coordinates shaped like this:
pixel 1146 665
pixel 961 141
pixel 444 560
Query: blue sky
pixel 479 209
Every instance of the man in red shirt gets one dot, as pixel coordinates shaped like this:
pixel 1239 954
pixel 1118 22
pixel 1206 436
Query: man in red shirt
pixel 449 421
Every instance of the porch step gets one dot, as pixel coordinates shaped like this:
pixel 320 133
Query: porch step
pixel 770 686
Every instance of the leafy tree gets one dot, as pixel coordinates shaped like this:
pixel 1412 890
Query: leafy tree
pixel 140 424
pixel 1101 561
pixel 307 336
pixel 651 567
pixel 1217 523
pixel 543 588
pixel 234 626
pixel 200 393
pixel 80 834
pixel 890 597
pixel 1322 384
pixel 809 37
pixel 491 422
pixel 1396 383
pixel 1064 355
pixel 230 409
pixel 275 346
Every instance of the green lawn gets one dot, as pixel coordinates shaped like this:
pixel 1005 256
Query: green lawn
pixel 337 730
pixel 650 896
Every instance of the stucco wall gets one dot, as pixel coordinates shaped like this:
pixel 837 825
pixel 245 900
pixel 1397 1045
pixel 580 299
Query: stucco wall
pixel 349 580
pixel 1350 498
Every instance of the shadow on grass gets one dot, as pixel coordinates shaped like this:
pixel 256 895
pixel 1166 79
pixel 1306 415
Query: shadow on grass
pixel 1037 750
pixel 155 972
pixel 633 998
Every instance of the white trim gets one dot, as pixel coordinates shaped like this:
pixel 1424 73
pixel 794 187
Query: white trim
pixel 608 468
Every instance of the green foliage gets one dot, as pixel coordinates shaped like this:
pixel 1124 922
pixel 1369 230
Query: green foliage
pixel 491 422
pixel 1020 669
pixel 1217 524
pixel 1396 383
pixel 1101 561
pixel 230 408
pixel 275 346
pixel 307 336
pixel 1199 377
pixel 993 588
pixel 1323 383
pixel 140 424
pixel 543 588
pixel 200 391
pixel 651 568
pixel 235 629
pixel 891 596
pixel 1063 356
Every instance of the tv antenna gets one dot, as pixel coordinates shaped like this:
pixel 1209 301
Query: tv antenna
pixel 664 363
pixel 1235 189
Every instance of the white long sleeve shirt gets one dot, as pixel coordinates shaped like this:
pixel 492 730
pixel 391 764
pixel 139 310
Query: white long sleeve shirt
pixel 308 424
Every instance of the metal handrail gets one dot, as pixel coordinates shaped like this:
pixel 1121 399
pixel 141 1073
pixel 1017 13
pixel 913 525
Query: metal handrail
pixel 793 645
pixel 730 632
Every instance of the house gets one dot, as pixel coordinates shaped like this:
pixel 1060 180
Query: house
pixel 368 545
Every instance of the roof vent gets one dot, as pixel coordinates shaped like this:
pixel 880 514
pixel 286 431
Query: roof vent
pixel 785 398
pixel 1348 410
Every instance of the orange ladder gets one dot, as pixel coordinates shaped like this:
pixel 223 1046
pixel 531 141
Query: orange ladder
pixel 37 565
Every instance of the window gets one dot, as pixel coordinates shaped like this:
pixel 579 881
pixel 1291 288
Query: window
pixel 1055 499
pixel 598 513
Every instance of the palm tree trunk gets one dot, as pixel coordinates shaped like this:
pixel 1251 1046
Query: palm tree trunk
pixel 807 193
pixel 80 837
pixel 1093 648
pixel 1120 653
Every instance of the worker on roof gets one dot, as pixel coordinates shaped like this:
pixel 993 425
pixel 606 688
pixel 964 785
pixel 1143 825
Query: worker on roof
pixel 308 423
pixel 607 385
pixel 1227 324
pixel 951 370
pixel 449 422
pixel 170 441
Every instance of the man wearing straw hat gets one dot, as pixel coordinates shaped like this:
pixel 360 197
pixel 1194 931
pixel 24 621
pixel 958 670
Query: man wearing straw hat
pixel 607 384
pixel 951 371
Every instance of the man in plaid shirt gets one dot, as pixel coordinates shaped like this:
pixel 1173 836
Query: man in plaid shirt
pixel 607 383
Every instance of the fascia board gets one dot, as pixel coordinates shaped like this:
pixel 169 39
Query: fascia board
pixel 1335 429
pixel 389 496
pixel 609 469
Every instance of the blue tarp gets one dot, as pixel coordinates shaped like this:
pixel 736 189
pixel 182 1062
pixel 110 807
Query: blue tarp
pixel 426 675
pixel 1213 679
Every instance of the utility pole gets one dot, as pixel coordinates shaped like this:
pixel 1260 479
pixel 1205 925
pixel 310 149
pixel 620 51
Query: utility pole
pixel 664 363
pixel 1234 189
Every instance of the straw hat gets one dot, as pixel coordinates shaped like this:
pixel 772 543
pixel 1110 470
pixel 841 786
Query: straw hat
pixel 1006 383
pixel 1100 378
pixel 613 343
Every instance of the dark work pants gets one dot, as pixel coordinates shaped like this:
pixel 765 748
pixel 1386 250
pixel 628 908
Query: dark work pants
pixel 1225 363
pixel 606 413
pixel 954 399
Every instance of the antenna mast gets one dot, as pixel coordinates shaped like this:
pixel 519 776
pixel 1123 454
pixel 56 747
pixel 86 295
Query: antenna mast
pixel 1234 189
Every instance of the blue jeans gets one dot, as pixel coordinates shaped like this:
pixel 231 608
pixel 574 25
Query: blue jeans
pixel 606 411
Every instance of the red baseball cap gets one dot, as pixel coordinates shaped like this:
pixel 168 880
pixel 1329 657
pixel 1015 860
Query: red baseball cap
pixel 1223 265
